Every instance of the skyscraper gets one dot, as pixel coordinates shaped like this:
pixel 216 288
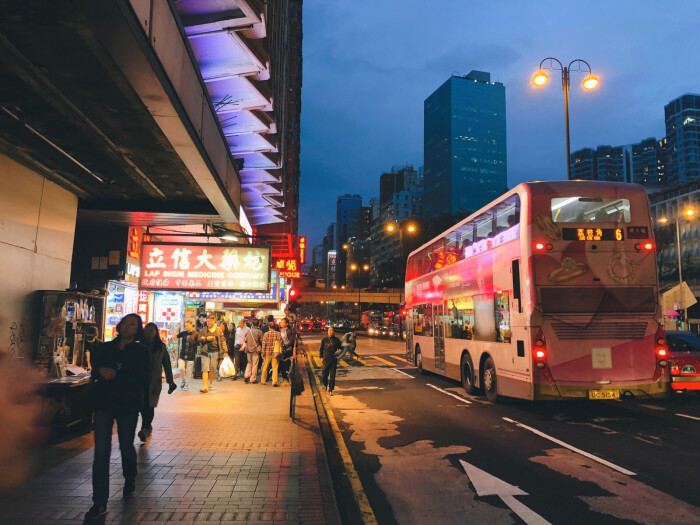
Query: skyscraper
pixel 683 138
pixel 464 144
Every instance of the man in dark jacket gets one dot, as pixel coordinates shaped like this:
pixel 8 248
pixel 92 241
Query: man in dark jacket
pixel 330 348
pixel 120 375
pixel 189 339
pixel 288 338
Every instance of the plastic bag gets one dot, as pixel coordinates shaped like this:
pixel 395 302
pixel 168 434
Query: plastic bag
pixel 226 368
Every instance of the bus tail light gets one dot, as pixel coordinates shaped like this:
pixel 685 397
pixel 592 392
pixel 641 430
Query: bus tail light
pixel 644 247
pixel 540 246
pixel 661 351
pixel 539 350
pixel 675 369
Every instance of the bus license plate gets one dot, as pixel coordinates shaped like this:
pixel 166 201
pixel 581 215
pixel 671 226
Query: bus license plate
pixel 603 394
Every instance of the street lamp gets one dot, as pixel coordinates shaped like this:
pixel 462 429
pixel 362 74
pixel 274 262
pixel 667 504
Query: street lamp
pixel 689 212
pixel 590 82
pixel 410 227
pixel 356 268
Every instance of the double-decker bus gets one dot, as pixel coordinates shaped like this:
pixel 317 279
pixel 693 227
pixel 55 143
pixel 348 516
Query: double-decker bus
pixel 549 292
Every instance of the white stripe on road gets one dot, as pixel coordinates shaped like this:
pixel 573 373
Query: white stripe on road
pixel 450 394
pixel 572 448
pixel 404 373
pixel 529 516
pixel 689 417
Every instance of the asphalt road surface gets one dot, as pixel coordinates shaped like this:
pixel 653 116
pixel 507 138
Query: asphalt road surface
pixel 428 453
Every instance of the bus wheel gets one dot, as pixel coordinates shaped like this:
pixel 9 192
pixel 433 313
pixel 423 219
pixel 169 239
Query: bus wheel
pixel 468 375
pixel 419 360
pixel 490 382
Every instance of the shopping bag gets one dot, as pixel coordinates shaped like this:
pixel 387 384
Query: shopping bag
pixel 226 368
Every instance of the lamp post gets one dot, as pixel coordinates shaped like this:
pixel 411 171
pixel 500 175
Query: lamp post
pixel 590 82
pixel 408 225
pixel 689 214
pixel 358 268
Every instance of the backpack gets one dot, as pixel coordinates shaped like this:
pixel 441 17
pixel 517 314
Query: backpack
pixel 253 340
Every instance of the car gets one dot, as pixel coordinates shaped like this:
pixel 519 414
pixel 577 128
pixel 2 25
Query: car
pixel 684 361
pixel 306 326
pixel 373 329
pixel 318 326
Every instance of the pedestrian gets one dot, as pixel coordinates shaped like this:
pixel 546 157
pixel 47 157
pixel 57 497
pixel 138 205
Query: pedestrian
pixel 239 347
pixel 348 344
pixel 253 347
pixel 120 374
pixel 266 324
pixel 92 340
pixel 288 340
pixel 223 326
pixel 330 347
pixel 159 360
pixel 189 338
pixel 271 348
pixel 212 342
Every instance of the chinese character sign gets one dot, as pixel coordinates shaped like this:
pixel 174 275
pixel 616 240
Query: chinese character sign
pixel 289 268
pixel 302 250
pixel 332 259
pixel 205 267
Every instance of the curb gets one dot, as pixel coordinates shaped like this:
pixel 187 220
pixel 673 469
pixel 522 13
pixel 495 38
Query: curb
pixel 327 419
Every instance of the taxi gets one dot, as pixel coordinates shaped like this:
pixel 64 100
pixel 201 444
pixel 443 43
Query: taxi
pixel 684 361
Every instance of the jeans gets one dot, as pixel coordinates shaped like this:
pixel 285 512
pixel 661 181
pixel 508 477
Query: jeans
pixel 186 368
pixel 251 369
pixel 126 429
pixel 328 373
pixel 267 360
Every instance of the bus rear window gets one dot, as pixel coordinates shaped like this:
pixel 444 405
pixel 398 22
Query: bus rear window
pixel 590 300
pixel 590 209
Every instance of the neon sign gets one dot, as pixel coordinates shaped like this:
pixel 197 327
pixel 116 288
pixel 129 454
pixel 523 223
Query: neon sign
pixel 134 243
pixel 287 267
pixel 302 250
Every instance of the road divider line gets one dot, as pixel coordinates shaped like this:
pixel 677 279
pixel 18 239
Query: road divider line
pixel 317 362
pixel 689 417
pixel 449 394
pixel 399 358
pixel 572 448
pixel 343 363
pixel 362 361
pixel 366 512
pixel 404 373
pixel 383 360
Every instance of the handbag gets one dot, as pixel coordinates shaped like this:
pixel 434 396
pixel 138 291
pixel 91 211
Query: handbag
pixel 278 348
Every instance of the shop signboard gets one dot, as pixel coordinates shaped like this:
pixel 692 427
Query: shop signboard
pixel 332 260
pixel 302 250
pixel 142 306
pixel 210 267
pixel 168 308
pixel 288 267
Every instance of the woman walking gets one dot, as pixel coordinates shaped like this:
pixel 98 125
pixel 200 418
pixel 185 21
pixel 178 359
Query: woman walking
pixel 119 377
pixel 158 359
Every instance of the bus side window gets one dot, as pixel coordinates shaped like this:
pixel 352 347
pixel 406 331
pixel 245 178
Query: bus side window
pixel 427 320
pixel 502 314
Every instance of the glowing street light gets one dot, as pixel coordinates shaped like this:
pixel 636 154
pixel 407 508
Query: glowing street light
pixel 590 82
pixel 390 228
pixel 353 267
pixel 365 267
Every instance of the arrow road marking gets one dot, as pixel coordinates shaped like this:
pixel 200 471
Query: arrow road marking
pixel 450 394
pixel 572 448
pixel 487 485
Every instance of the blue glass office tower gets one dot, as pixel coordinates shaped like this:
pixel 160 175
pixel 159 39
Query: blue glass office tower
pixel 464 144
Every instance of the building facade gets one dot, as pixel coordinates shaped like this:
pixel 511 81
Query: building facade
pixel 464 144
pixel 682 117
pixel 641 163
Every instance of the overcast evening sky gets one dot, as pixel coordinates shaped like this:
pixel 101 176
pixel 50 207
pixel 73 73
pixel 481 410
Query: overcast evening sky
pixel 370 64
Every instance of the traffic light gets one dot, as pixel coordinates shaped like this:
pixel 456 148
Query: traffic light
pixel 293 297
pixel 681 316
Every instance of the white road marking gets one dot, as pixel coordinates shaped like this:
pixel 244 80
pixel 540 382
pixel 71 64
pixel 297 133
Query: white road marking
pixel 486 484
pixel 653 407
pixel 404 373
pixel 450 394
pixel 572 448
pixel 689 417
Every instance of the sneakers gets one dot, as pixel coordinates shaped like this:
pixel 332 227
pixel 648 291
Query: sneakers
pixel 253 382
pixel 246 380
pixel 330 392
pixel 211 387
pixel 142 435
pixel 275 384
pixel 203 390
pixel 129 488
pixel 96 511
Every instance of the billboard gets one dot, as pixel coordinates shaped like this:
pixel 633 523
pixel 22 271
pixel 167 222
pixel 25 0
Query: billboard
pixel 287 267
pixel 215 267
pixel 332 267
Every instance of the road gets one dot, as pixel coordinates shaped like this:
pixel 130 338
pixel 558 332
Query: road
pixel 575 462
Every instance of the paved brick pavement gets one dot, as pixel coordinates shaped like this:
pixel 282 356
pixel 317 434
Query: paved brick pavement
pixel 230 456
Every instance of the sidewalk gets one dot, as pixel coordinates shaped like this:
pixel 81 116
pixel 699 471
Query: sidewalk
pixel 230 456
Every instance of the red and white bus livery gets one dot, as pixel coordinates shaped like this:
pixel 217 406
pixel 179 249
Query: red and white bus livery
pixel 549 292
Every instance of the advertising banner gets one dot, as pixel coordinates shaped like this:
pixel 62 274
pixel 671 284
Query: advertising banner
pixel 216 267
pixel 332 266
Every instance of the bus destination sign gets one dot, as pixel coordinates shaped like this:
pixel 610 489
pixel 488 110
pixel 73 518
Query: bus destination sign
pixel 592 234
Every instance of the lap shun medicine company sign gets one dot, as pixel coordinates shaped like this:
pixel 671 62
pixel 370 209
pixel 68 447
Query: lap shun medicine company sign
pixel 216 267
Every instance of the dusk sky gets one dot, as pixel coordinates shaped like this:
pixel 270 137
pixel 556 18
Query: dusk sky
pixel 370 64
